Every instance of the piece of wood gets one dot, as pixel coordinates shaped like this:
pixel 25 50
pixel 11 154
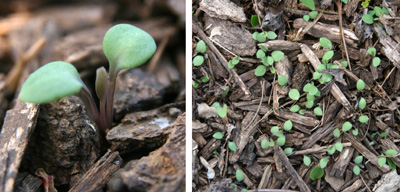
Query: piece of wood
pixel 319 134
pixel 297 118
pixel 17 128
pixel 389 144
pixel 335 90
pixel 285 160
pixel 265 177
pixel 390 47
pixel 339 168
pixel 281 45
pixel 100 173
pixel 246 180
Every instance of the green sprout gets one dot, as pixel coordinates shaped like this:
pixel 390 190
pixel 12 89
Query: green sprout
pixel 125 47
pixel 267 60
pixel 239 175
pixel 232 146
pixel 221 111
pixel 309 3
pixel 316 173
pixel 306 160
pixel 233 62
pixel 218 135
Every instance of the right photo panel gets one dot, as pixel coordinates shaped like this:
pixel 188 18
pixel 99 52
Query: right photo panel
pixel 295 95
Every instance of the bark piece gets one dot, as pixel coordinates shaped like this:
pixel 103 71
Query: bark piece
pixel 27 182
pixel 265 177
pixel 99 174
pixel 17 128
pixel 297 118
pixel 389 144
pixel 300 75
pixel 390 47
pixel 138 91
pixel 339 168
pixel 65 143
pixel 163 170
pixel 212 145
pixel 319 134
pixel 389 182
pixel 356 185
pixel 335 183
pixel 332 32
pixel 281 45
pixel 223 9
pixel 247 130
pixel 3 98
pixel 230 36
pixel 142 130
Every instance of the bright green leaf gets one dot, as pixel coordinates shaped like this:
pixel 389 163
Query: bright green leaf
pixel 306 160
pixel 205 79
pixel 325 43
pixel 316 75
pixel 391 164
pixel 239 175
pixel 326 77
pixel 331 150
pixel 294 94
pixel 281 140
pixel 288 125
pixel 309 3
pixel 260 70
pixel 345 1
pixel 360 85
pixel 362 103
pixel 324 162
pixel 282 80
pixel 318 111
pixel 355 132
pixel 346 126
pixel 384 134
pixel 271 35
pixel 201 47
pixel 235 60
pixel 295 108
pixel 339 146
pixel 264 143
pixel 51 82
pixel 198 60
pixel 277 55
pixel 344 64
pixel 313 14
pixel 232 146
pixel 309 104
pixel 306 17
pixel 254 20
pixel 316 173
pixel 310 97
pixel 378 11
pixel 336 133
pixel 288 151
pixel 255 34
pixel 302 111
pixel 222 111
pixel 127 46
pixel 358 159
pixel 195 84
pixel 218 135
pixel 327 56
pixel 376 61
pixel 260 54
pixel 261 37
pixel 390 152
pixel 363 119
pixel 356 170
pixel 372 51
pixel 368 18
pixel 274 130
pixel 321 67
pixel 381 161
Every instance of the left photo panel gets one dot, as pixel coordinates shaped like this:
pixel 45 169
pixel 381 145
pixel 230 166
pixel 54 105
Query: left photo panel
pixel 92 95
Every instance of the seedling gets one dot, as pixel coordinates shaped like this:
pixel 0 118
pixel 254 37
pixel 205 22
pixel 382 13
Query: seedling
pixel 373 15
pixel 125 47
pixel 205 79
pixel 362 103
pixel 254 20
pixel 288 151
pixel 316 173
pixel 221 110
pixel 267 61
pixel 233 62
pixel 306 160
pixel 239 175
pixel 294 94
pixel 232 146
pixel 218 135
pixel 199 59
pixel 309 3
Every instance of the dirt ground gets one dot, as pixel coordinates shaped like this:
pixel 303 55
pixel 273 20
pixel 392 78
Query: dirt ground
pixel 290 99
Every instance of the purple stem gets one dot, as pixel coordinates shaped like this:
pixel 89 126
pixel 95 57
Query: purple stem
pixel 92 109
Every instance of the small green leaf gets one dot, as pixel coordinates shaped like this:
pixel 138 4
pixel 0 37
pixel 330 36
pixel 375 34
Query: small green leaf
pixel 331 150
pixel 326 77
pixel 235 60
pixel 356 170
pixel 295 108
pixel 309 104
pixel 260 54
pixel 316 75
pixel 336 133
pixel 302 111
pixel 358 159
pixel 260 70
pixel 365 4
pixel 316 173
pixel 368 18
pixel 318 111
pixel 391 164
pixel 307 87
pixel 313 14
pixel 264 144
pixel 205 79
pixel 231 65
pixel 363 119
pixel 325 43
pixel 327 56
pixel 384 134
pixel 127 47
pixel 201 47
pixel 281 140
pixel 372 51
pixel 232 146
pixel 255 34
pixel 294 94
pixel 239 175
pixel 391 152
pixel 51 82
pixel 265 49
pixel 345 1
pixel 198 60
pixel 309 3
pixel 381 161
pixel 310 97
pixel 360 85
pixel 254 20
pixel 288 125
pixel 376 61
pixel 195 84
pixel 272 69
pixel 306 160
pixel 346 126
pixel 261 37
pixel 277 55
pixel 267 61
pixel 355 132
pixel 362 103
pixel 288 151
pixel 339 146
pixel 344 64
pixel 218 135
pixel 222 111
pixel 324 162
pixel 101 83
pixel 271 35
pixel 306 17
pixel 321 67
pixel 274 130
pixel 226 91
pixel 282 80
pixel 378 11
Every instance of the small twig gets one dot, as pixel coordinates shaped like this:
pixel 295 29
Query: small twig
pixel 343 42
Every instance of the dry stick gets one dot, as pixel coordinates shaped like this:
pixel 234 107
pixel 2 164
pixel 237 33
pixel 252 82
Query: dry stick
pixel 221 58
pixel 14 75
pixel 335 90
pixel 350 74
pixel 259 105
pixel 343 42
pixel 302 32
pixel 300 182
pixel 157 56
pixel 316 150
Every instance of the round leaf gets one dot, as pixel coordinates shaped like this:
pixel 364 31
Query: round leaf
pixel 316 75
pixel 255 34
pixel 381 161
pixel 323 162
pixel 336 133
pixel 318 111
pixel 309 3
pixel 218 135
pixel 264 144
pixel 326 77
pixel 321 67
pixel 325 43
pixel 274 130
pixel 331 150
pixel 302 111
pixel 294 94
pixel 309 104
pixel 360 85
pixel 313 14
pixel 235 60
pixel 127 46
pixel 288 151
pixel 260 54
pixel 306 17
pixel 390 152
pixel 198 60
pixel 288 125
pixel 222 111
pixel 239 175
pixel 232 146
pixel 363 119
pixel 356 170
pixel 295 108
pixel 376 61
pixel 316 173
pixel 368 18
pixel 327 56
pixel 51 82
pixel 201 46
pixel 358 159
pixel 260 70
pixel 282 80
pixel 271 35
pixel 372 51
pixel 344 64
pixel 281 140
pixel 355 132
pixel 310 97
pixel 362 103
pixel 346 126
pixel 339 146
pixel 277 55
pixel 306 160
pixel 261 37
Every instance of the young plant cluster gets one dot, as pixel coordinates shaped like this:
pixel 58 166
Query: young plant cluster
pixel 373 15
pixel 125 47
pixel 199 60
pixel 376 61
pixel 311 15
pixel 267 61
